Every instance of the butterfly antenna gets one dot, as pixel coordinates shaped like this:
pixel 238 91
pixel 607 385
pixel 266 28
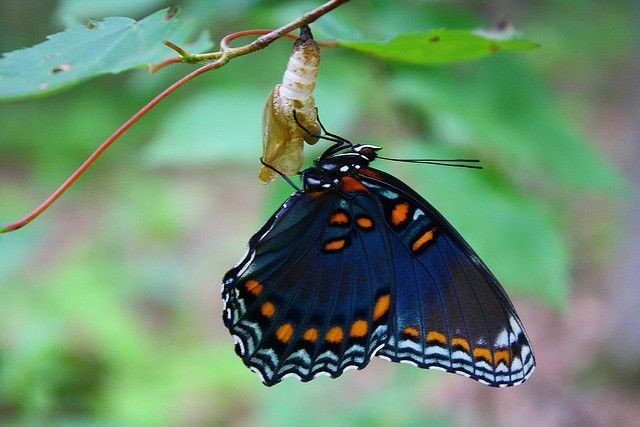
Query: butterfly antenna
pixel 285 177
pixel 457 163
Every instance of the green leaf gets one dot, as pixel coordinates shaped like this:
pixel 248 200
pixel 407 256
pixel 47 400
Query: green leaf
pixel 439 46
pixel 206 128
pixel 510 116
pixel 111 45
pixel 74 12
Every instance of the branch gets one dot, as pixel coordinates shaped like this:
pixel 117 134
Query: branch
pixel 188 58
pixel 227 54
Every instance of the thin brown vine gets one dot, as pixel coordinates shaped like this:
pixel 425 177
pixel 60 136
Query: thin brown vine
pixel 221 58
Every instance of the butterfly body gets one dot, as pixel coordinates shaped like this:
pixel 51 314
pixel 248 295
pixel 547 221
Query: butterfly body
pixel 357 264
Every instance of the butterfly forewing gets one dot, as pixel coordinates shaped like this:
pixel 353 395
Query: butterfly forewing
pixel 450 312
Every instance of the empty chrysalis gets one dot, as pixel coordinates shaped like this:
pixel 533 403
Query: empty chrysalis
pixel 282 137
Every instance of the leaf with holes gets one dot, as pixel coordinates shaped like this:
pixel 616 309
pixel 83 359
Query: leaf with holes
pixel 109 45
pixel 441 46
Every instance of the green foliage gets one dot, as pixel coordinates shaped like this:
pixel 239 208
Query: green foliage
pixel 508 112
pixel 195 121
pixel 439 46
pixel 111 45
pixel 73 12
pixel 109 303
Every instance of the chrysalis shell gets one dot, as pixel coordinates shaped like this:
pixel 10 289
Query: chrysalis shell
pixel 282 137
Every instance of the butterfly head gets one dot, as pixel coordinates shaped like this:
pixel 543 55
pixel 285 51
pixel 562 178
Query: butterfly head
pixel 329 169
pixel 369 152
pixel 347 162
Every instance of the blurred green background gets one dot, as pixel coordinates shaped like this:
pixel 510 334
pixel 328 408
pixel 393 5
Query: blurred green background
pixel 110 311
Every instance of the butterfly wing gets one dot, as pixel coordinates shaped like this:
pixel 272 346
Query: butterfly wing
pixel 303 302
pixel 335 277
pixel 450 312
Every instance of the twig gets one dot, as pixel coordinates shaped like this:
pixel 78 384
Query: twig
pixel 226 55
pixel 186 57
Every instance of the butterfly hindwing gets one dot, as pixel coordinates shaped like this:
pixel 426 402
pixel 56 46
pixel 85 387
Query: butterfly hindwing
pixel 302 302
pixel 450 311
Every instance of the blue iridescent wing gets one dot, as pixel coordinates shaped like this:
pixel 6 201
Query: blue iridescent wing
pixel 449 311
pixel 338 276
pixel 309 299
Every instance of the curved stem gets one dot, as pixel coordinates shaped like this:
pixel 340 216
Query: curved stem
pixel 186 57
pixel 226 55
pixel 107 143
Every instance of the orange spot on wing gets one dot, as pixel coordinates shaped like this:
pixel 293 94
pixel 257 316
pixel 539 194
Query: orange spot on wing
pixel 254 287
pixel 334 335
pixel 284 332
pixel 483 352
pixel 461 342
pixel 399 213
pixel 335 245
pixel 267 309
pixel 310 334
pixel 339 218
pixel 364 222
pixel 382 306
pixel 437 337
pixel 425 238
pixel 351 184
pixel 411 331
pixel 503 355
pixel 359 329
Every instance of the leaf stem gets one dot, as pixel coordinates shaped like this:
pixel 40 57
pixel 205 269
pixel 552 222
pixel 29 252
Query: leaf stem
pixel 186 57
pixel 227 53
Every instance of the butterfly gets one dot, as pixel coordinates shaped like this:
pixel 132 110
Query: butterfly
pixel 356 264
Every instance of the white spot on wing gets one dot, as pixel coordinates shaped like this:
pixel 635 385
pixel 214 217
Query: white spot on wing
pixel 516 364
pixel 302 354
pixel 502 340
pixel 389 194
pixel 238 341
pixel 251 255
pixel 515 326
pixel 376 350
pixel 461 355
pixel 502 367
pixel 328 355
pixel 435 349
pixel 270 354
pixel 484 365
pixel 526 351
pixel 292 375
pixel 411 345
pixel 354 349
pixel 322 373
